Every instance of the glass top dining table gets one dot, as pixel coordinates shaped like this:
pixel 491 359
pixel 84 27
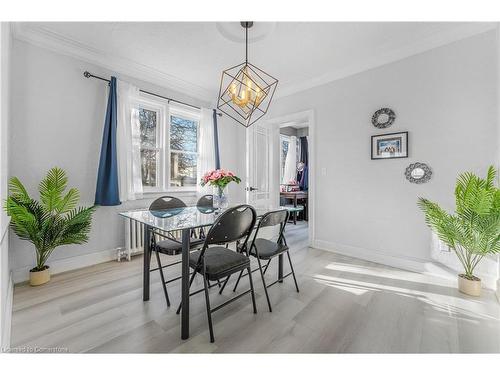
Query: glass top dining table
pixel 189 217
pixel 183 219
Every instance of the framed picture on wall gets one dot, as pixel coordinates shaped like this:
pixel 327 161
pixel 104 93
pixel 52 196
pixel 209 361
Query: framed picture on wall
pixel 390 146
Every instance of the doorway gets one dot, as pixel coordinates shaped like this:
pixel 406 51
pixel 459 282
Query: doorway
pixel 287 159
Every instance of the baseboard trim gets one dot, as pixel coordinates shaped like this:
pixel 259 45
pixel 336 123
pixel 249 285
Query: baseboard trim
pixel 406 263
pixel 7 315
pixel 67 264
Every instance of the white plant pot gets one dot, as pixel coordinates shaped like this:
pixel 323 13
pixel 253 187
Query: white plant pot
pixel 39 277
pixel 469 287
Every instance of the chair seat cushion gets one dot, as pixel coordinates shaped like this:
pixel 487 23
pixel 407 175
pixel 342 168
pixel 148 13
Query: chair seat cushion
pixel 220 262
pixel 170 247
pixel 267 248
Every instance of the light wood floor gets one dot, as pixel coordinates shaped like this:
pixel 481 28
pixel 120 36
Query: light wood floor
pixel 345 305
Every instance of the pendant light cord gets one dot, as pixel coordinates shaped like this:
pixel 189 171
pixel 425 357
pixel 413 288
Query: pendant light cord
pixel 246 43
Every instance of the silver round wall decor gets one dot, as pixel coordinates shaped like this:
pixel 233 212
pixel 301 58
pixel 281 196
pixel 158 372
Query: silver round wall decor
pixel 383 118
pixel 418 173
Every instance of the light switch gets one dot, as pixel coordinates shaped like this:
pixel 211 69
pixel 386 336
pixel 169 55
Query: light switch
pixel 323 171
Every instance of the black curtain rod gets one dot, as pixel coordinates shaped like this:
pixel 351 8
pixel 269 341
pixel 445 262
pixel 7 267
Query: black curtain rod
pixel 87 74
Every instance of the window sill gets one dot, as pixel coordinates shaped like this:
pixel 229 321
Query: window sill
pixel 163 192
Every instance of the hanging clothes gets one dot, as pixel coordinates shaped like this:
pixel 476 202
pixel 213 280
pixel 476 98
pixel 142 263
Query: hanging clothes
pixel 304 180
pixel 290 172
pixel 302 176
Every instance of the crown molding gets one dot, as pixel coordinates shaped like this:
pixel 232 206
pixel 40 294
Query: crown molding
pixel 58 43
pixel 388 56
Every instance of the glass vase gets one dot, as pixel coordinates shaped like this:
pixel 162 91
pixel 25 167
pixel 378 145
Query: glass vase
pixel 221 198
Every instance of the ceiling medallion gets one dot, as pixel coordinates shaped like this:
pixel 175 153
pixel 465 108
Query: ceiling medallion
pixel 246 91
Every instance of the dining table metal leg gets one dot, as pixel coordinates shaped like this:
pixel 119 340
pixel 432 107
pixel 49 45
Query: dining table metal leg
pixel 186 238
pixel 280 268
pixel 295 212
pixel 146 265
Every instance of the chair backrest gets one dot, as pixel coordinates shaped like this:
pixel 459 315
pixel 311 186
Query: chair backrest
pixel 206 201
pixel 165 203
pixel 271 219
pixel 232 225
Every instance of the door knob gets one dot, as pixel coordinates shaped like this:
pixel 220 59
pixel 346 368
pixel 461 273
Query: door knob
pixel 251 188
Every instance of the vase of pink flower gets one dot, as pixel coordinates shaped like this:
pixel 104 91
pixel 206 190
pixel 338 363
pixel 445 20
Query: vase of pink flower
pixel 219 179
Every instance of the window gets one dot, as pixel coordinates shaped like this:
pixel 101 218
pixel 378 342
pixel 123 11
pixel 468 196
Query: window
pixel 183 149
pixel 169 146
pixel 150 147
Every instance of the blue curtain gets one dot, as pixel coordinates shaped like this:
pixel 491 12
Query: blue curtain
pixel 107 193
pixel 216 141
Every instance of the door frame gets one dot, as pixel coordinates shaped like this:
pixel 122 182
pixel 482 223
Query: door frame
pixel 274 125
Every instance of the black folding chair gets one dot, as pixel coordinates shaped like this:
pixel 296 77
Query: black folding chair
pixel 206 205
pixel 216 262
pixel 264 249
pixel 169 245
pixel 206 201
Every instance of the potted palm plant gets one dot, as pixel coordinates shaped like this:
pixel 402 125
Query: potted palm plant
pixel 474 230
pixel 53 221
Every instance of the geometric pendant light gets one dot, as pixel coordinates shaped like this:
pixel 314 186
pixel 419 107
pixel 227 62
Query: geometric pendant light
pixel 246 91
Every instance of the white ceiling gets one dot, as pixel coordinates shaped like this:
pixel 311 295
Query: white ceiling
pixel 191 55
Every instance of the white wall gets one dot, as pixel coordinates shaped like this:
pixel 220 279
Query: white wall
pixel 57 119
pixel 232 147
pixel 298 132
pixel 446 98
pixel 5 274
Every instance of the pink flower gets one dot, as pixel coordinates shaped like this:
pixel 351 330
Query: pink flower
pixel 215 176
pixel 206 177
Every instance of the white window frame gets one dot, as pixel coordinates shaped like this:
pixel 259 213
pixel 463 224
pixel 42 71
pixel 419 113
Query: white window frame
pixel 163 141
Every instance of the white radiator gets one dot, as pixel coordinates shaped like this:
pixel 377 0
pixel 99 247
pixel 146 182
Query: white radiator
pixel 134 238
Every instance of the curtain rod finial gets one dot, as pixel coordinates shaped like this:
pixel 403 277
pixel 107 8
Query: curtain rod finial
pixel 86 74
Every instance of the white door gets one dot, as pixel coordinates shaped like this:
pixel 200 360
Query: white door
pixel 259 166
